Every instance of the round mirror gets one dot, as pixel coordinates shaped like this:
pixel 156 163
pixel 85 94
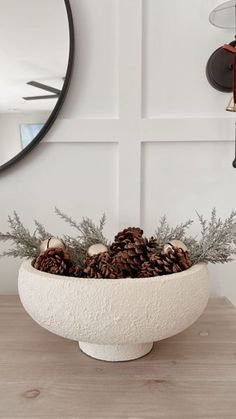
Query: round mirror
pixel 36 55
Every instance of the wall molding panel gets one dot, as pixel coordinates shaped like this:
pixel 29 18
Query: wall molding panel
pixel 153 129
pixel 130 129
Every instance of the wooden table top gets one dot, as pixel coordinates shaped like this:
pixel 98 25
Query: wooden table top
pixel 189 376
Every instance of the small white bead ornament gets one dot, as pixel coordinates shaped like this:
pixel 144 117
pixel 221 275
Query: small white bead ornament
pixel 95 249
pixel 176 243
pixel 51 243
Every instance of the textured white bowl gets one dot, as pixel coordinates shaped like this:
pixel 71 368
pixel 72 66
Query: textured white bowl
pixel 114 319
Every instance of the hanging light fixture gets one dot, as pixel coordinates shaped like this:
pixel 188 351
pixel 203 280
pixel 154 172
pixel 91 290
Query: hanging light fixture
pixel 232 50
pixel 221 66
pixel 231 106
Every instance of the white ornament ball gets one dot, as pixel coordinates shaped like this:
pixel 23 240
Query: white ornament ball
pixel 95 249
pixel 51 243
pixel 176 243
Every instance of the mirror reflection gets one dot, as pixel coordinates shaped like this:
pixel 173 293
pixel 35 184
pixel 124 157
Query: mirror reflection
pixel 34 53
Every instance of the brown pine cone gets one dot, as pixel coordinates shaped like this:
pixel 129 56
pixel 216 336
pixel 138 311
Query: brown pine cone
pixel 150 268
pixel 76 271
pixel 100 266
pixel 126 263
pixel 54 261
pixel 173 261
pixel 129 250
pixel 153 242
pixel 178 257
pixel 123 237
pixel 135 252
pixel 128 233
pixel 152 245
pixel 158 265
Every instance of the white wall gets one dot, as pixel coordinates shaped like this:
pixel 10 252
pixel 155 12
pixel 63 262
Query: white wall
pixel 141 134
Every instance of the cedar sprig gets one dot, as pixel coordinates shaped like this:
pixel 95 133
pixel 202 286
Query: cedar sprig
pixel 88 233
pixel 77 251
pixel 217 241
pixel 26 245
pixel 165 233
pixel 41 231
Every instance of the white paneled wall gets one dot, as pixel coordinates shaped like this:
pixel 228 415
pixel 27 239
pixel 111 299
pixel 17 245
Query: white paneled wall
pixel 141 133
pixel 95 84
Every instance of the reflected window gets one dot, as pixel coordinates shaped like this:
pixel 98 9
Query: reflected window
pixel 28 132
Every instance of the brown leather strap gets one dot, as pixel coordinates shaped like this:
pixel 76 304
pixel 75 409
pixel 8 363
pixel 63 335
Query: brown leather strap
pixel 229 48
pixel 232 50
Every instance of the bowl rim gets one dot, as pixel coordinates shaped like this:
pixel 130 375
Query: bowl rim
pixel 26 266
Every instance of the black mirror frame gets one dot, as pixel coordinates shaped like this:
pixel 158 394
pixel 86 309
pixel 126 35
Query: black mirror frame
pixel 61 98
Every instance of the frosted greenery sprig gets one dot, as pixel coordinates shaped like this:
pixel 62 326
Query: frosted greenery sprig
pixel 88 233
pixel 165 233
pixel 26 245
pixel 217 242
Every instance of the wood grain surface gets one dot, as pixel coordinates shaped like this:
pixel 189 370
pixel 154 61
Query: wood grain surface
pixel 192 375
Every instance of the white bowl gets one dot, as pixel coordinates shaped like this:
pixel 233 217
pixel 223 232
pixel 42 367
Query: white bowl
pixel 114 319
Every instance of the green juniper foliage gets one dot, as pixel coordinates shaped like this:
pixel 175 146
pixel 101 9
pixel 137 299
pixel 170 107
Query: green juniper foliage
pixel 216 243
pixel 26 245
pixel 88 233
pixel 164 232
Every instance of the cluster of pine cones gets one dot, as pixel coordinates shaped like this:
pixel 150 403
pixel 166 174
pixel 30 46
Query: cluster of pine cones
pixel 130 255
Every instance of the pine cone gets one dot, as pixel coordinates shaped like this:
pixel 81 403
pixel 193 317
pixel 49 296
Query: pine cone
pixel 123 237
pixel 76 271
pixel 54 261
pixel 100 266
pixel 178 257
pixel 173 261
pixel 150 268
pixel 152 245
pixel 126 264
pixel 131 251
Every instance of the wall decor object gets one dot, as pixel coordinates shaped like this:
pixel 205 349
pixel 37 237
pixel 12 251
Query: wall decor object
pixel 219 69
pixel 117 298
pixel 221 66
pixel 37 50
